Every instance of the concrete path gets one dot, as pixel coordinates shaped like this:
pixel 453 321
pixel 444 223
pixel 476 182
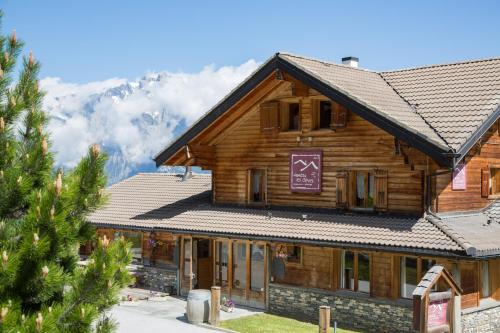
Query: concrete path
pixel 160 314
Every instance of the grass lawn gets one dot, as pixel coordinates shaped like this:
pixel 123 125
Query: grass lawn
pixel 266 323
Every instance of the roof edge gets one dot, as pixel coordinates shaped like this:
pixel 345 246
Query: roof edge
pixel 477 135
pixel 229 100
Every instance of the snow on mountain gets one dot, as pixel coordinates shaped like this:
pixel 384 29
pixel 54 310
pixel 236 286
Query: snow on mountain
pixel 132 120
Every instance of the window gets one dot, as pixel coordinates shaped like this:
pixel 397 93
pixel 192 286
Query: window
pixel 355 271
pixel 289 117
pixel 325 114
pixel 408 276
pixel 257 186
pixel 364 189
pixel 494 181
pixel 257 278
pixel 294 254
pixel 293 116
pixel 221 263
pixel 136 239
pixel 239 265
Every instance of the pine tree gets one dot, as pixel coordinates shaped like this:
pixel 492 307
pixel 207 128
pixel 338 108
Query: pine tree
pixel 42 219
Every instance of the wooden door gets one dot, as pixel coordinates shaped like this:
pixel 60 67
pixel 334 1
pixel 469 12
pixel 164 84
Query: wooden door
pixel 204 267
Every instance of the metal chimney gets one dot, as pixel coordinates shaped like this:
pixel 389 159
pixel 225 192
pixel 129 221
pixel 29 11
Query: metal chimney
pixel 350 61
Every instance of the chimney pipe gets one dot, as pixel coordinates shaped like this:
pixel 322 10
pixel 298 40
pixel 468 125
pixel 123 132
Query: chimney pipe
pixel 187 173
pixel 350 61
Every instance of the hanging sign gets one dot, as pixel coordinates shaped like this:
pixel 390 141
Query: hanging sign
pixel 459 181
pixel 437 313
pixel 305 170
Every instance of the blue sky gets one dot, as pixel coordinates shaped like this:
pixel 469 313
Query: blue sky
pixel 81 41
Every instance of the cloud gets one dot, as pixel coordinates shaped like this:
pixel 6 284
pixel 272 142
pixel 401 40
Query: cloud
pixel 134 119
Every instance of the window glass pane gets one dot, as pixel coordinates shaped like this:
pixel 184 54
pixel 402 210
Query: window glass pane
pixel 257 267
pixel 364 272
pixel 495 181
pixel 187 256
pixel 221 260
pixel 293 116
pixel 136 239
pixel 256 182
pixel 348 274
pixel 408 276
pixel 360 189
pixel 239 265
pixel 294 254
pixel 325 114
pixel 427 264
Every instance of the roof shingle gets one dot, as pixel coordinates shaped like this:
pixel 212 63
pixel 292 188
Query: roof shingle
pixel 164 201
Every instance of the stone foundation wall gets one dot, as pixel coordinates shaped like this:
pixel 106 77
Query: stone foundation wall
pixel 157 279
pixel 484 319
pixel 348 309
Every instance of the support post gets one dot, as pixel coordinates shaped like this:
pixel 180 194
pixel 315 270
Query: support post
pixel 214 319
pixel 324 319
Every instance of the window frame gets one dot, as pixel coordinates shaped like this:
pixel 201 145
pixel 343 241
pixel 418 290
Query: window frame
pixel 490 181
pixel 263 186
pixel 355 268
pixel 285 115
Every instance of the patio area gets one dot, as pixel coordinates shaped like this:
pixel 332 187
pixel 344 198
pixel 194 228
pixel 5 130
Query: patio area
pixel 151 312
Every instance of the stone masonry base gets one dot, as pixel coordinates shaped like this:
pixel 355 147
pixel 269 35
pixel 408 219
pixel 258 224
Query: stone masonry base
pixel 157 279
pixel 348 309
pixel 363 313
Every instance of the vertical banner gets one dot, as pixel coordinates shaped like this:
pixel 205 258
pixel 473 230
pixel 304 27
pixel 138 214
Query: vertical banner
pixel 459 181
pixel 306 170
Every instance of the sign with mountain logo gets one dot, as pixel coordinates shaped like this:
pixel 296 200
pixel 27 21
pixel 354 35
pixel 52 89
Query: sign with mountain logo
pixel 305 170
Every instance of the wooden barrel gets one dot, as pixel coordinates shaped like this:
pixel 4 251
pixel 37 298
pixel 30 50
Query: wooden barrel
pixel 198 306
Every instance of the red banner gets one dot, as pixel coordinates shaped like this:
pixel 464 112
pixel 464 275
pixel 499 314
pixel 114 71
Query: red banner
pixel 306 170
pixel 437 313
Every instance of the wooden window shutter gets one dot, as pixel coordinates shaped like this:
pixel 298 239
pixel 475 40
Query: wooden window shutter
pixel 249 186
pixel 339 115
pixel 315 114
pixel 284 117
pixel 269 116
pixel 342 186
pixel 485 182
pixel 380 190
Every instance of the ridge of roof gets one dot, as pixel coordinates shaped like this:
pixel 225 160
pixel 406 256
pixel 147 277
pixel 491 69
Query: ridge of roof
pixel 325 62
pixel 440 65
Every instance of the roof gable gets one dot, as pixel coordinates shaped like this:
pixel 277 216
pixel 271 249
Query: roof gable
pixel 440 110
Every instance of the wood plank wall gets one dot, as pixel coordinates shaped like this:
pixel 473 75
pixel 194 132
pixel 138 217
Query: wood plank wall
pixel 482 156
pixel 360 145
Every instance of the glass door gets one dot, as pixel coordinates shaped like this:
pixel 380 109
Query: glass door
pixel 239 272
pixel 221 265
pixel 188 263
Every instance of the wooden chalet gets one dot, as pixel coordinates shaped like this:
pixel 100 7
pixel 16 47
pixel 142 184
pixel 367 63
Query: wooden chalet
pixel 329 185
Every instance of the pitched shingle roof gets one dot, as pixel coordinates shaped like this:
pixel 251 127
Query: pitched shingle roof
pixel 455 99
pixel 370 89
pixel 477 232
pixel 164 201
pixel 437 109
